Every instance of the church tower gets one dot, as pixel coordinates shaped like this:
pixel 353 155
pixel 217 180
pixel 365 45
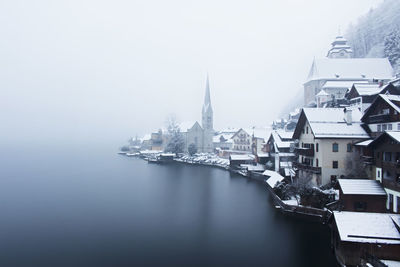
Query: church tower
pixel 340 48
pixel 207 121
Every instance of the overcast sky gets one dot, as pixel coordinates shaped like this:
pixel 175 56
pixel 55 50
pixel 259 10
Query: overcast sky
pixel 72 69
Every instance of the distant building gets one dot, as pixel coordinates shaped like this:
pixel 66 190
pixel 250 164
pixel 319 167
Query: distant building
pixel 242 141
pixel 201 135
pixel 338 70
pixel 279 148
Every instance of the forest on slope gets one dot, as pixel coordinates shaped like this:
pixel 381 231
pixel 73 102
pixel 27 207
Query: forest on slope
pixel 377 33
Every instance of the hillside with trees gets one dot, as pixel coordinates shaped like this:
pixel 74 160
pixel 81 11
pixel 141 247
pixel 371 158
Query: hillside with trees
pixel 377 34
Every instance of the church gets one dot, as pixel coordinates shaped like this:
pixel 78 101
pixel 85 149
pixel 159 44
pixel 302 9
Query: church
pixel 334 75
pixel 201 135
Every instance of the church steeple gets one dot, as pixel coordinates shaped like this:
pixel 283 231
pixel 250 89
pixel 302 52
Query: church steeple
pixel 207 112
pixel 340 48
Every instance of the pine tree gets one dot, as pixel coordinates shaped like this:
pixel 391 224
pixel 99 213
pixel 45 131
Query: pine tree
pixel 392 48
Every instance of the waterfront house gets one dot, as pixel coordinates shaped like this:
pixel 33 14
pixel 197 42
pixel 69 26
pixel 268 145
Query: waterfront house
pixel 387 167
pixel 361 195
pixel 362 236
pixel 325 143
pixel 242 141
pixel 280 147
pixel 236 160
pixel 383 115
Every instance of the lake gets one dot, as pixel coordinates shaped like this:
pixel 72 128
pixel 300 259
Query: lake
pixel 70 205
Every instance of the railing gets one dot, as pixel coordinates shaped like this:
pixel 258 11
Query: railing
pixel 308 152
pixel 391 184
pixel 316 170
pixel 379 118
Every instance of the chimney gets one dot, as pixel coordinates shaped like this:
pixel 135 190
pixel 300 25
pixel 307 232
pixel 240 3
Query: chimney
pixel 348 116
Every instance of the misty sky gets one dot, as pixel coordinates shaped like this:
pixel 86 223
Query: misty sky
pixel 89 69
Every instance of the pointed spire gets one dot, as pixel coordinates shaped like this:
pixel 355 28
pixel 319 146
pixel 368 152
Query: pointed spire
pixel 207 98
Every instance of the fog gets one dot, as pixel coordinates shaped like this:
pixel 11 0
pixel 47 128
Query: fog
pixel 82 70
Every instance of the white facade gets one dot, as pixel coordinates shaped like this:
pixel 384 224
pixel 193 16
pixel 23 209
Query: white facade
pixel 242 141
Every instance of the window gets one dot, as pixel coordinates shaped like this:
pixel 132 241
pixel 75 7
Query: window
pixel 387 156
pixel 335 164
pixel 389 127
pixel 384 127
pixel 303 131
pixel 317 148
pixel 335 147
pixel 349 147
pixel 379 128
pixel 385 111
pixel 307 129
pixel 398 126
pixel 316 162
pixel 360 206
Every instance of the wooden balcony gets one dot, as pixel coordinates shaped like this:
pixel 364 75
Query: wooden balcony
pixel 367 160
pixel 305 167
pixel 304 151
pixel 379 118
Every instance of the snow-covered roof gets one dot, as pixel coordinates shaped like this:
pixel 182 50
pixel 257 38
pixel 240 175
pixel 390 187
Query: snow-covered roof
pixel 251 167
pixel 366 89
pixel 227 137
pixel 351 69
pixel 229 130
pixel 394 135
pixel 242 157
pixel 364 143
pixel 367 227
pixel 390 98
pixel 330 123
pixel 274 177
pixel 361 187
pixel 187 125
pixel 341 84
pixel 146 137
pixel 278 141
pixel 167 154
pixel 259 132
pixel 285 134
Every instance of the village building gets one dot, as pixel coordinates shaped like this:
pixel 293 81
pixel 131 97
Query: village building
pixel 339 70
pixel 383 115
pixel 280 149
pixel 387 167
pixel 325 144
pixel 242 141
pixel 361 195
pixel 223 141
pixel 236 160
pixel 364 236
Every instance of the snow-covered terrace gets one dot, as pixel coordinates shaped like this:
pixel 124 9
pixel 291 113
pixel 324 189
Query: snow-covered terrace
pixel 361 187
pixel 365 227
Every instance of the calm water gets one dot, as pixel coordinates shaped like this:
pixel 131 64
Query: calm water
pixel 88 206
